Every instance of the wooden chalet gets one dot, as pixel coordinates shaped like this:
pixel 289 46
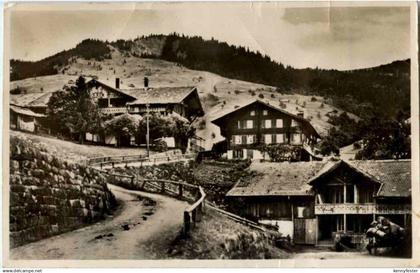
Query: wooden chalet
pixel 24 119
pixel 247 127
pixel 349 195
pixel 164 100
pixel 313 201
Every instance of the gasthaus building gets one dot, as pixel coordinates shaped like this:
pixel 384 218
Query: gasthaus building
pixel 256 123
pixel 313 201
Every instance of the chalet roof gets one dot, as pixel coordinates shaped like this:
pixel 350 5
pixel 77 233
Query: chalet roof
pixel 277 179
pixel 160 95
pixel 25 99
pixel 229 111
pixel 25 111
pixel 395 175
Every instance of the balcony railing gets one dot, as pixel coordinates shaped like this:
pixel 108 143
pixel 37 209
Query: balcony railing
pixel 114 110
pixel 349 208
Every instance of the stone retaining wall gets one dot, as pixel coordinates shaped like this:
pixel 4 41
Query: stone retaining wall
pixel 49 196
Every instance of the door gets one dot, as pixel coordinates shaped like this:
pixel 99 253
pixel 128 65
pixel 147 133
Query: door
pixel 305 231
pixel 299 231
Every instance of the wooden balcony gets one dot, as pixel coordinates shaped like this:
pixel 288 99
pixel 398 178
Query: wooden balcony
pixel 350 208
pixel 114 110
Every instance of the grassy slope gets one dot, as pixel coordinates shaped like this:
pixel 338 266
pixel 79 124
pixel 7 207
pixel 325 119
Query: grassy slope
pixel 131 71
pixel 218 237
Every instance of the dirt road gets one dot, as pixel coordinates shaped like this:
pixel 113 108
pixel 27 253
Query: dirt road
pixel 143 228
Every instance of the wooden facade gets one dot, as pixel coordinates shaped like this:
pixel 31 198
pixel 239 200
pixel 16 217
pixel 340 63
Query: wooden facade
pixel 343 198
pixel 259 123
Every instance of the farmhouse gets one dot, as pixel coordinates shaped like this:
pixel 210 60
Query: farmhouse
pixel 313 201
pixel 164 100
pixel 22 118
pixel 248 127
pixel 182 102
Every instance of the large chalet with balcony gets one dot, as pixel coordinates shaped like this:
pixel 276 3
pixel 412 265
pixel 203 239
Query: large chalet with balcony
pixel 164 100
pixel 313 201
pixel 257 123
pixel 28 110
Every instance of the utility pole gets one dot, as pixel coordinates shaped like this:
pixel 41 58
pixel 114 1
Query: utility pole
pixel 147 123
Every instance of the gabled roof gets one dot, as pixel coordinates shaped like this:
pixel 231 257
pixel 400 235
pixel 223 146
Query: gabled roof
pixel 225 114
pixel 393 175
pixel 160 95
pixel 97 82
pixel 25 99
pixel 277 179
pixel 25 111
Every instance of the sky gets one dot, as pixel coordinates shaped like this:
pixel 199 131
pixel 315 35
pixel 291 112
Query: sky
pixel 325 37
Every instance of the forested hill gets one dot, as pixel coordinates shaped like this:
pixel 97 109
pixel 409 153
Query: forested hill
pixel 383 89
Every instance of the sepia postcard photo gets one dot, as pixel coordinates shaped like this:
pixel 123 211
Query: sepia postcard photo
pixel 210 134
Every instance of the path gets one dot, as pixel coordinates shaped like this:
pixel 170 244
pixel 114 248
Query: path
pixel 327 255
pixel 152 228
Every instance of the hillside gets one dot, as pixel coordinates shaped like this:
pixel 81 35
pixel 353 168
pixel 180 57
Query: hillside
pixel 217 93
pixel 384 89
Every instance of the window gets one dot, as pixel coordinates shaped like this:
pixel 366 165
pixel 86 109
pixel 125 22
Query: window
pixel 296 138
pixel 294 123
pixel 279 123
pixel 249 124
pixel 237 139
pixel 243 139
pixel 252 113
pixel 265 112
pixel 300 211
pixel 239 124
pixel 279 138
pixel 267 139
pixel 267 123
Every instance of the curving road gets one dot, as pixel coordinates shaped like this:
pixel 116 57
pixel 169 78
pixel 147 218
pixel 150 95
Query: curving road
pixel 140 229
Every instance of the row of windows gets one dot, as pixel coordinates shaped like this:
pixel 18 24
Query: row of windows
pixel 266 138
pixel 267 123
pixel 252 113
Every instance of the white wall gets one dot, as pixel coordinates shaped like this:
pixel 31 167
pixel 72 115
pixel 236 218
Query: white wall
pixel 25 126
pixel 285 227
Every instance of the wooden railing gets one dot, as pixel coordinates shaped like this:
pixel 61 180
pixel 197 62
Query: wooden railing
pixel 367 208
pixel 112 161
pixel 177 189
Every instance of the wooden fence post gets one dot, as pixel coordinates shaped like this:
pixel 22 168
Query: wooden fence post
pixel 112 164
pixel 180 190
pixel 187 223
pixel 194 216
pixel 163 187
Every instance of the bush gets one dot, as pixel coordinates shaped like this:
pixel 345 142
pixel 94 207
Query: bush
pixel 313 99
pixel 158 145
pixel 261 96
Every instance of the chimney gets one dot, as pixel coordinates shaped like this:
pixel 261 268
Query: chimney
pixel 146 82
pixel 117 83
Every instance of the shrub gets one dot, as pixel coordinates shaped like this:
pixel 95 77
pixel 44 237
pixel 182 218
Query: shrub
pixel 313 99
pixel 158 145
pixel 261 96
